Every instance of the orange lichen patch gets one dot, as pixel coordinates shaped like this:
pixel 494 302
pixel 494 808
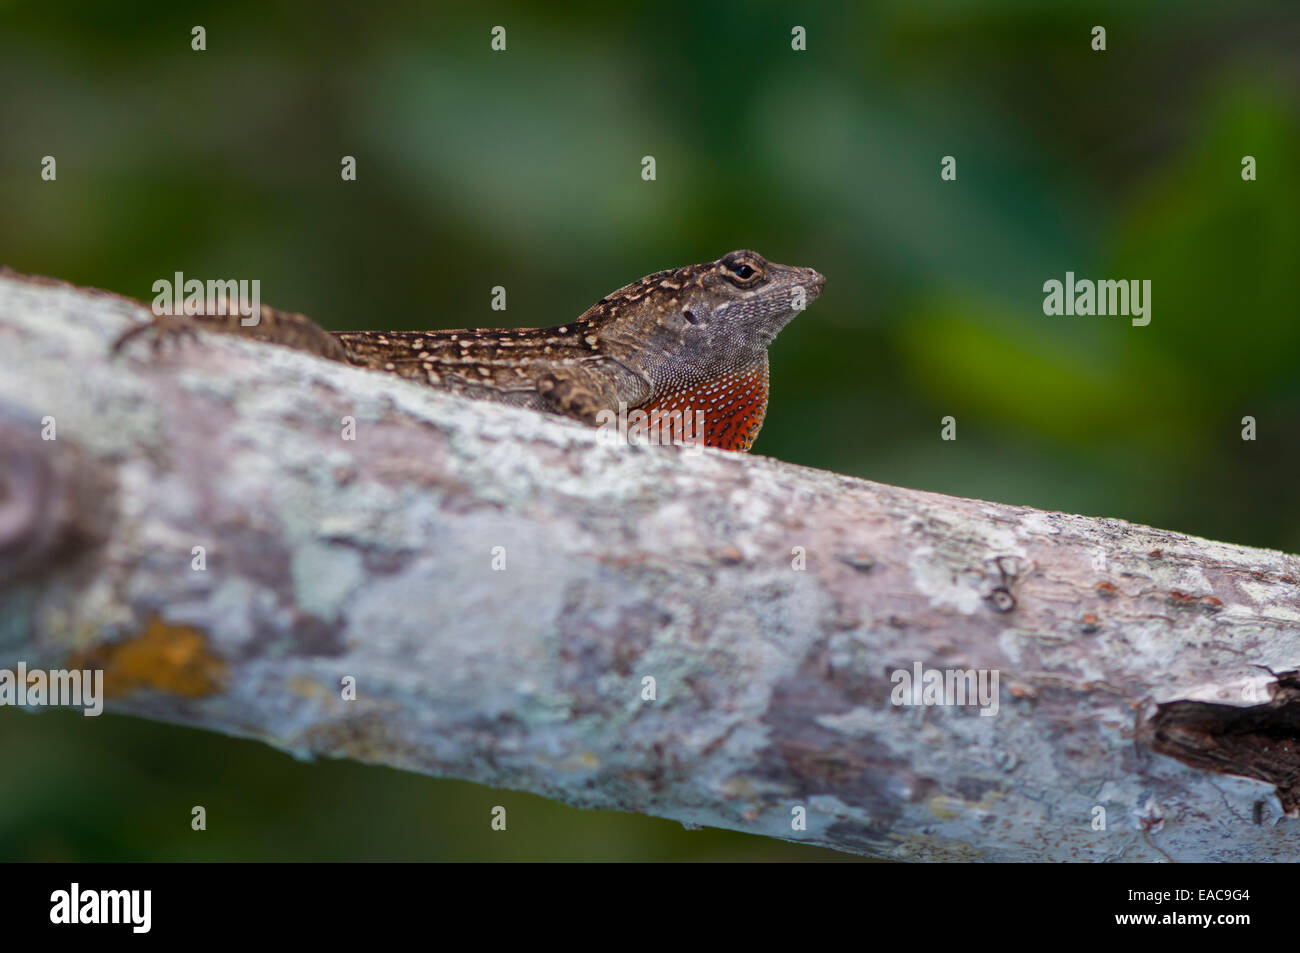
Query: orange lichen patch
pixel 1189 601
pixel 305 687
pixel 165 657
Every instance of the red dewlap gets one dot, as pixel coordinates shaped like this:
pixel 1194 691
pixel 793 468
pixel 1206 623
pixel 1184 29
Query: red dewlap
pixel 733 407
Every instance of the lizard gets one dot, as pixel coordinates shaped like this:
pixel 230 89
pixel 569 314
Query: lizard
pixel 687 339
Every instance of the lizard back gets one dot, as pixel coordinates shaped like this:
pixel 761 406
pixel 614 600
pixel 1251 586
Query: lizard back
pixel 690 340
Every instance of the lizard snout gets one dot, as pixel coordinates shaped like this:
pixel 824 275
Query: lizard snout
pixel 816 281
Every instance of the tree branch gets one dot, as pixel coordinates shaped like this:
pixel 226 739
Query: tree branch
pixel 500 584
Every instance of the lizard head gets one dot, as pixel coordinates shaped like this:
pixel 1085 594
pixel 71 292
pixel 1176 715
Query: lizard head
pixel 714 317
pixel 696 339
pixel 746 299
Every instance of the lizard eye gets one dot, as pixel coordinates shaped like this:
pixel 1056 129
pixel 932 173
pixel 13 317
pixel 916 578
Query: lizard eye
pixel 744 269
pixel 741 272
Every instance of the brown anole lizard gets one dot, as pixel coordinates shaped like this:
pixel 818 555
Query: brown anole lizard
pixel 687 339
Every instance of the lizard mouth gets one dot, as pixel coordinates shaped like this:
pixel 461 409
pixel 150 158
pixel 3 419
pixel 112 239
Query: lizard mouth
pixel 816 281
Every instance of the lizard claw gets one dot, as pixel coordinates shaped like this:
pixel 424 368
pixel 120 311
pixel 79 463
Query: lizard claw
pixel 159 330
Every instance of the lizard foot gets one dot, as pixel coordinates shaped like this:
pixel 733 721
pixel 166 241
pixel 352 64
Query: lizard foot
pixel 159 331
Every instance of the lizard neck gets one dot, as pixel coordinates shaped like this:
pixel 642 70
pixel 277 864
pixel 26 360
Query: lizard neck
pixel 733 402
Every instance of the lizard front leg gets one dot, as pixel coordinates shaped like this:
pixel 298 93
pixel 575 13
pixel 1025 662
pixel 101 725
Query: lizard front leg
pixel 577 392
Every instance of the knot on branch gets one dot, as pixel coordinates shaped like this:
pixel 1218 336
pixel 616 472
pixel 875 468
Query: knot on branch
pixel 49 506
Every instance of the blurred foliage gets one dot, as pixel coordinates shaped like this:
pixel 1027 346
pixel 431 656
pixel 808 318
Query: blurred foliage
pixel 477 169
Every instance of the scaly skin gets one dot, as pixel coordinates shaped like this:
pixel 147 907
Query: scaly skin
pixel 689 339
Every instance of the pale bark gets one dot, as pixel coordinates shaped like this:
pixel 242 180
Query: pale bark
pixel 373 558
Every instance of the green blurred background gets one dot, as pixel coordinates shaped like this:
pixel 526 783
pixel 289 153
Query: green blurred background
pixel 523 169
